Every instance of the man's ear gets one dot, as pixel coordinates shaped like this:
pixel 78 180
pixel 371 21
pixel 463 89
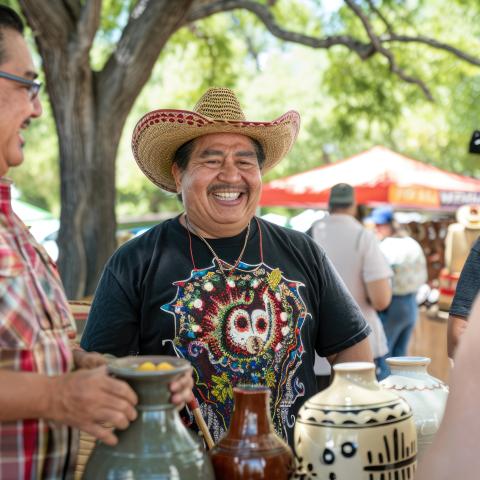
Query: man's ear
pixel 177 176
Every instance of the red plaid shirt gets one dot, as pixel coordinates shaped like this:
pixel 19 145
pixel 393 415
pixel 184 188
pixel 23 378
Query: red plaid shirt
pixel 35 326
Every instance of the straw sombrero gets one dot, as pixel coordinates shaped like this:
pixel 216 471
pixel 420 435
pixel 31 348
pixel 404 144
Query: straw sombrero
pixel 469 216
pixel 159 134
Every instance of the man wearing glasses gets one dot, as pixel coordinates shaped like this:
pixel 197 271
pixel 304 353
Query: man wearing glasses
pixel 40 397
pixel 32 85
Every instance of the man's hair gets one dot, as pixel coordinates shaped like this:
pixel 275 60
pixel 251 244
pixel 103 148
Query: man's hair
pixel 342 196
pixel 182 155
pixel 339 208
pixel 9 19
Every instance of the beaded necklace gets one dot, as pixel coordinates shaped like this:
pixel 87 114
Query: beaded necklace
pixel 225 273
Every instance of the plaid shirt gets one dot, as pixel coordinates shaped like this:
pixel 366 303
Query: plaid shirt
pixel 35 327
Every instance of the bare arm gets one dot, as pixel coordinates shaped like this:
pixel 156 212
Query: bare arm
pixel 454 452
pixel 360 352
pixel 23 395
pixel 379 293
pixel 85 399
pixel 456 327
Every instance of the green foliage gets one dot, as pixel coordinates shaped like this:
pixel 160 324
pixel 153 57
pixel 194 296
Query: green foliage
pixel 347 105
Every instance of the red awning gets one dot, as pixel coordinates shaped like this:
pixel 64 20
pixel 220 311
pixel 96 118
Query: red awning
pixel 378 175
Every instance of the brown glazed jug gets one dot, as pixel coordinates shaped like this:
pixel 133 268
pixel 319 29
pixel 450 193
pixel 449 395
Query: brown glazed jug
pixel 251 449
pixel 156 445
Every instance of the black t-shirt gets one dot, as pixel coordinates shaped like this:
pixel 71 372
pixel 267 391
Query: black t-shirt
pixel 258 325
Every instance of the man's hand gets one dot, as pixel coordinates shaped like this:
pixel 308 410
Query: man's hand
pixel 87 399
pixel 181 389
pixel 83 359
pixel 456 327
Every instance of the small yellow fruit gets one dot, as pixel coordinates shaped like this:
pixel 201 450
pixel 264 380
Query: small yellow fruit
pixel 165 366
pixel 146 367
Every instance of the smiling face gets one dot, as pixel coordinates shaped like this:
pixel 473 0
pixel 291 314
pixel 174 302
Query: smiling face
pixel 221 184
pixel 16 107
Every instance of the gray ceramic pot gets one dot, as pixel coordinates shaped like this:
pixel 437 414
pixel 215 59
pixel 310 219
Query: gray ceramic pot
pixel 156 446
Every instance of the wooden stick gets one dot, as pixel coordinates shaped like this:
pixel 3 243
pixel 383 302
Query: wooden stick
pixel 195 408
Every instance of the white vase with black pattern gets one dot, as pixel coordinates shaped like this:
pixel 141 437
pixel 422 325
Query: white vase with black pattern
pixel 355 430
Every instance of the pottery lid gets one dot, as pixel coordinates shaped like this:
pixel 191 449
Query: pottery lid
pixel 126 367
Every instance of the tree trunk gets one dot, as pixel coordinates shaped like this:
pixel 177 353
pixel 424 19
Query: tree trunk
pixel 74 111
pixel 90 110
pixel 100 223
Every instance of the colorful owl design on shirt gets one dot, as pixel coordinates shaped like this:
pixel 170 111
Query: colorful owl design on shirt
pixel 240 328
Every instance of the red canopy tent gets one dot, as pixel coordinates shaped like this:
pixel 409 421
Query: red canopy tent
pixel 378 175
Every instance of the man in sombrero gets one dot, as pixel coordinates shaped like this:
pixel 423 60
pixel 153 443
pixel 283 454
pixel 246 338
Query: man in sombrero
pixel 245 301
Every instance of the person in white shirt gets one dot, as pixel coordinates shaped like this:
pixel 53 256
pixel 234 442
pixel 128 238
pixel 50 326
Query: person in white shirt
pixel 407 260
pixel 356 255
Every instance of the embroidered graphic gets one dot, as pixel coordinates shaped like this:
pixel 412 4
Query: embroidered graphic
pixel 243 329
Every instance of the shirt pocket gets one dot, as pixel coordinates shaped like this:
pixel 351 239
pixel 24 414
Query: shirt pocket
pixel 59 309
pixel 16 329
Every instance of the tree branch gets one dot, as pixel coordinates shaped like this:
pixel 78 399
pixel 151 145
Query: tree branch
pixel 381 16
pixel 51 21
pixel 149 27
pixel 87 25
pixel 73 7
pixel 432 43
pixel 377 45
pixel 205 9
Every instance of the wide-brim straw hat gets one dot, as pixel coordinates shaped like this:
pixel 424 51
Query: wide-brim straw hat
pixel 159 134
pixel 469 216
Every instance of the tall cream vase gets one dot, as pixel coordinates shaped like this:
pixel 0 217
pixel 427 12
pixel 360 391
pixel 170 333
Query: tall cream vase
pixel 425 394
pixel 355 430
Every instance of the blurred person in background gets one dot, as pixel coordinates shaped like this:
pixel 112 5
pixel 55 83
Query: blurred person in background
pixel 462 240
pixel 461 235
pixel 467 289
pixel 407 260
pixel 356 255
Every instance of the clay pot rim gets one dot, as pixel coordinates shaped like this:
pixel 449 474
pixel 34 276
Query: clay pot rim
pixel 353 366
pixel 408 361
pixel 125 366
pixel 248 389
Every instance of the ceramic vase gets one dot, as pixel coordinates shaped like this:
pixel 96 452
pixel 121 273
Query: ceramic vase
pixel 425 394
pixel 156 445
pixel 355 430
pixel 251 449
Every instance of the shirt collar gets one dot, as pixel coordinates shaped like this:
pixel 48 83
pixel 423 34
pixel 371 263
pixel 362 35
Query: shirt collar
pixel 5 196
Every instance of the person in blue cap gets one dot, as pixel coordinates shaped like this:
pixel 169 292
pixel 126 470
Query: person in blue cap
pixel 407 260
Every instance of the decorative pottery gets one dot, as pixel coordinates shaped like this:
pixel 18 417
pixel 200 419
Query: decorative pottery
pixel 426 395
pixel 156 445
pixel 251 449
pixel 354 430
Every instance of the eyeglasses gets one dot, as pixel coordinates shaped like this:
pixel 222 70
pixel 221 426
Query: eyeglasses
pixel 33 86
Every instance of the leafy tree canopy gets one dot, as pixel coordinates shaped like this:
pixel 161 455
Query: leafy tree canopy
pixel 346 104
